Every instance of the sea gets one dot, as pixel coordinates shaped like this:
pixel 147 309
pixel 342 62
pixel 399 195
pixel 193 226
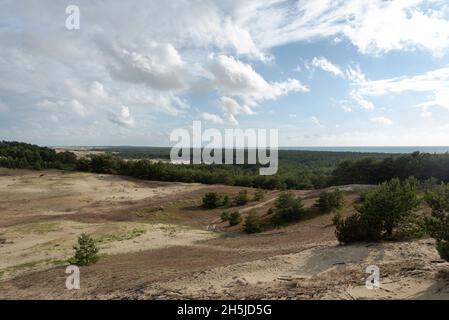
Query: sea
pixel 377 149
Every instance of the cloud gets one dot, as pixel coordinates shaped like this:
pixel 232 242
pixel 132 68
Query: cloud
pixel 435 82
pixel 374 27
pixel 314 120
pixel 212 118
pixel 231 106
pixel 234 78
pixel 382 121
pixel 122 118
pixel 327 66
pixel 158 65
pixel 77 107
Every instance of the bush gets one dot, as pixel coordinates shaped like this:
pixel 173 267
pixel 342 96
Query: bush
pixel 211 200
pixel 329 201
pixel 258 195
pixel 384 210
pixel 271 211
pixel 253 223
pixel 225 201
pixel 86 251
pixel 242 198
pixel 437 225
pixel 225 216
pixel 235 218
pixel 288 208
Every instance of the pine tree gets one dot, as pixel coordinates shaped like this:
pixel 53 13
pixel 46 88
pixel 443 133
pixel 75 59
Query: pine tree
pixel 86 251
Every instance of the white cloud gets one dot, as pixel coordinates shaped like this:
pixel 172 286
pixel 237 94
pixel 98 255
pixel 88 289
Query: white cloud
pixel 212 118
pixel 231 106
pixel 122 118
pixel 77 107
pixel 314 120
pixel 327 66
pixel 361 101
pixel 382 120
pixel 159 66
pixel 374 26
pixel 435 82
pixel 234 78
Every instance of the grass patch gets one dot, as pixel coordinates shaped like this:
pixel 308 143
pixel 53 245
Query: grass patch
pixel 132 234
pixel 39 228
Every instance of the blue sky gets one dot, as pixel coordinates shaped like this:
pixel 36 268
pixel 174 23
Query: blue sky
pixel 324 73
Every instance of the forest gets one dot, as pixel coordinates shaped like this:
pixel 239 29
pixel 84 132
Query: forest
pixel 297 169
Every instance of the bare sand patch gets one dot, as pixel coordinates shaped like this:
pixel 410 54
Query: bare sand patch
pixel 38 246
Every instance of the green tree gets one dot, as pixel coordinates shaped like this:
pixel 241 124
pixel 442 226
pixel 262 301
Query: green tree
pixel 258 195
pixel 225 216
pixel 86 251
pixel 242 198
pixel 253 223
pixel 329 201
pixel 288 208
pixel 211 200
pixel 384 209
pixel 235 218
pixel 437 225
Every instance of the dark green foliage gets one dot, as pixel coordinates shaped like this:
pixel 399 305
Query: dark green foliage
pixel 438 224
pixel 329 201
pixel 235 218
pixel 225 216
pixel 211 200
pixel 271 211
pixel 385 209
pixel 225 201
pixel 242 198
pixel 86 251
pixel 253 223
pixel 259 195
pixel 288 208
pixel 16 155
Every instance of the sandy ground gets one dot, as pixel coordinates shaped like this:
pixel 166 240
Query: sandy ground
pixel 157 243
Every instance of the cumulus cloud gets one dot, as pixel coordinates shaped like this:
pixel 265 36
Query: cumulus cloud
pixel 158 65
pixel 234 78
pixel 122 118
pixel 382 121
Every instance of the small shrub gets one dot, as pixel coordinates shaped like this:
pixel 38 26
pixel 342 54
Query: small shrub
pixel 225 201
pixel 235 218
pixel 253 223
pixel 225 216
pixel 288 208
pixel 211 200
pixel 329 201
pixel 242 198
pixel 86 251
pixel 270 211
pixel 259 195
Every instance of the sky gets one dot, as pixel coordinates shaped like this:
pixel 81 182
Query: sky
pixel 321 72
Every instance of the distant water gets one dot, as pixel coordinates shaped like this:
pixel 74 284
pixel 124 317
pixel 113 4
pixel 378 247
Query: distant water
pixel 373 149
